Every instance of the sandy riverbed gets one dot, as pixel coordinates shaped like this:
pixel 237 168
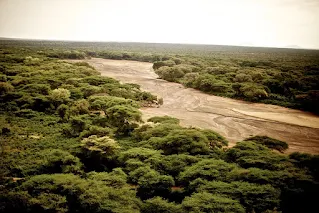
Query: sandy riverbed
pixel 233 119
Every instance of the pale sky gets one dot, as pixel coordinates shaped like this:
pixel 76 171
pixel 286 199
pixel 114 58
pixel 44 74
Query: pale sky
pixel 276 23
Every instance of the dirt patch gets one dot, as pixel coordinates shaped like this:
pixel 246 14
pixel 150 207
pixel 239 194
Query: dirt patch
pixel 233 119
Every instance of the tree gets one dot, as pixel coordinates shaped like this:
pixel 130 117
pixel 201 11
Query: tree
pixel 58 161
pixel 209 169
pixel 151 183
pixel 242 77
pixel 99 147
pixel 60 95
pixel 159 205
pixel 249 154
pixel 106 102
pixel 254 197
pixel 124 118
pixel 63 111
pixel 163 119
pixel 182 141
pixel 70 193
pixel 170 73
pixel 77 125
pixel 206 202
pixel 80 107
pixel 116 179
pixel 5 87
pixel 175 164
pixel 252 91
pixel 271 143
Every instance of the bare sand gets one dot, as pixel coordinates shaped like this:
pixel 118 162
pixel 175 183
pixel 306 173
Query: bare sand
pixel 234 119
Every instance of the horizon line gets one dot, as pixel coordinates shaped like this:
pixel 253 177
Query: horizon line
pixel 145 42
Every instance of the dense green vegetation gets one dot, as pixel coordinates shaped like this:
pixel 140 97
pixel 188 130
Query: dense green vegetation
pixel 74 141
pixel 285 77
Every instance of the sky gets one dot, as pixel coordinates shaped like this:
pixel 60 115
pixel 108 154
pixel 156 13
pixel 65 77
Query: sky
pixel 272 23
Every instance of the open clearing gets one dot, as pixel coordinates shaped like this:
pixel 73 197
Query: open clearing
pixel 233 119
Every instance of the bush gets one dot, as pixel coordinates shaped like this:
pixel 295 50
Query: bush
pixel 42 89
pixel 182 141
pixel 116 179
pixel 80 107
pixel 151 183
pixel 159 205
pixel 51 161
pixel 163 119
pixel 5 88
pixel 99 146
pixel 58 192
pixel 206 202
pixel 271 143
pixel 60 95
pixel 254 197
pixel 249 154
pixel 209 169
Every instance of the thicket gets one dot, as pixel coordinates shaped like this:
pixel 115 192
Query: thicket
pixel 74 141
pixel 286 77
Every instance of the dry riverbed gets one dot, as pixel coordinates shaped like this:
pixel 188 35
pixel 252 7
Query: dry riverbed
pixel 233 119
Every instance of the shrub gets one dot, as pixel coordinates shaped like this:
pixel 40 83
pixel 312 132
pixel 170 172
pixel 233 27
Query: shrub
pixel 249 154
pixel 54 161
pixel 58 192
pixel 182 141
pixel 207 170
pixel 271 143
pixel 163 119
pixel 159 205
pixel 206 202
pixel 60 95
pixel 254 197
pixel 42 89
pixel 80 107
pixel 5 88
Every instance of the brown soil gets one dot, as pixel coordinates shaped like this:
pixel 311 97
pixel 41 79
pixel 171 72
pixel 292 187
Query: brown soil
pixel 233 119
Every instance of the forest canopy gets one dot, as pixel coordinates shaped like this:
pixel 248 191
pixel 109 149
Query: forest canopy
pixel 74 141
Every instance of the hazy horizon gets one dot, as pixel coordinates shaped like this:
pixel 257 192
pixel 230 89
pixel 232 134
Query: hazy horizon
pixel 266 23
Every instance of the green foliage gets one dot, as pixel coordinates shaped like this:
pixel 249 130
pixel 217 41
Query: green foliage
pixel 61 119
pixel 5 88
pixel 56 161
pixel 254 197
pixel 117 178
pixel 69 193
pixel 174 164
pixel 159 205
pixel 249 154
pixel 77 124
pixel 146 132
pixel 181 141
pixel 43 89
pixel 209 169
pixel 96 130
pixel 151 183
pixel 164 119
pixel 99 147
pixel 124 118
pixel 106 102
pixel 206 202
pixel 307 161
pixel 60 95
pixel 63 111
pixel 170 73
pixel 80 107
pixel 215 140
pixel 271 143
